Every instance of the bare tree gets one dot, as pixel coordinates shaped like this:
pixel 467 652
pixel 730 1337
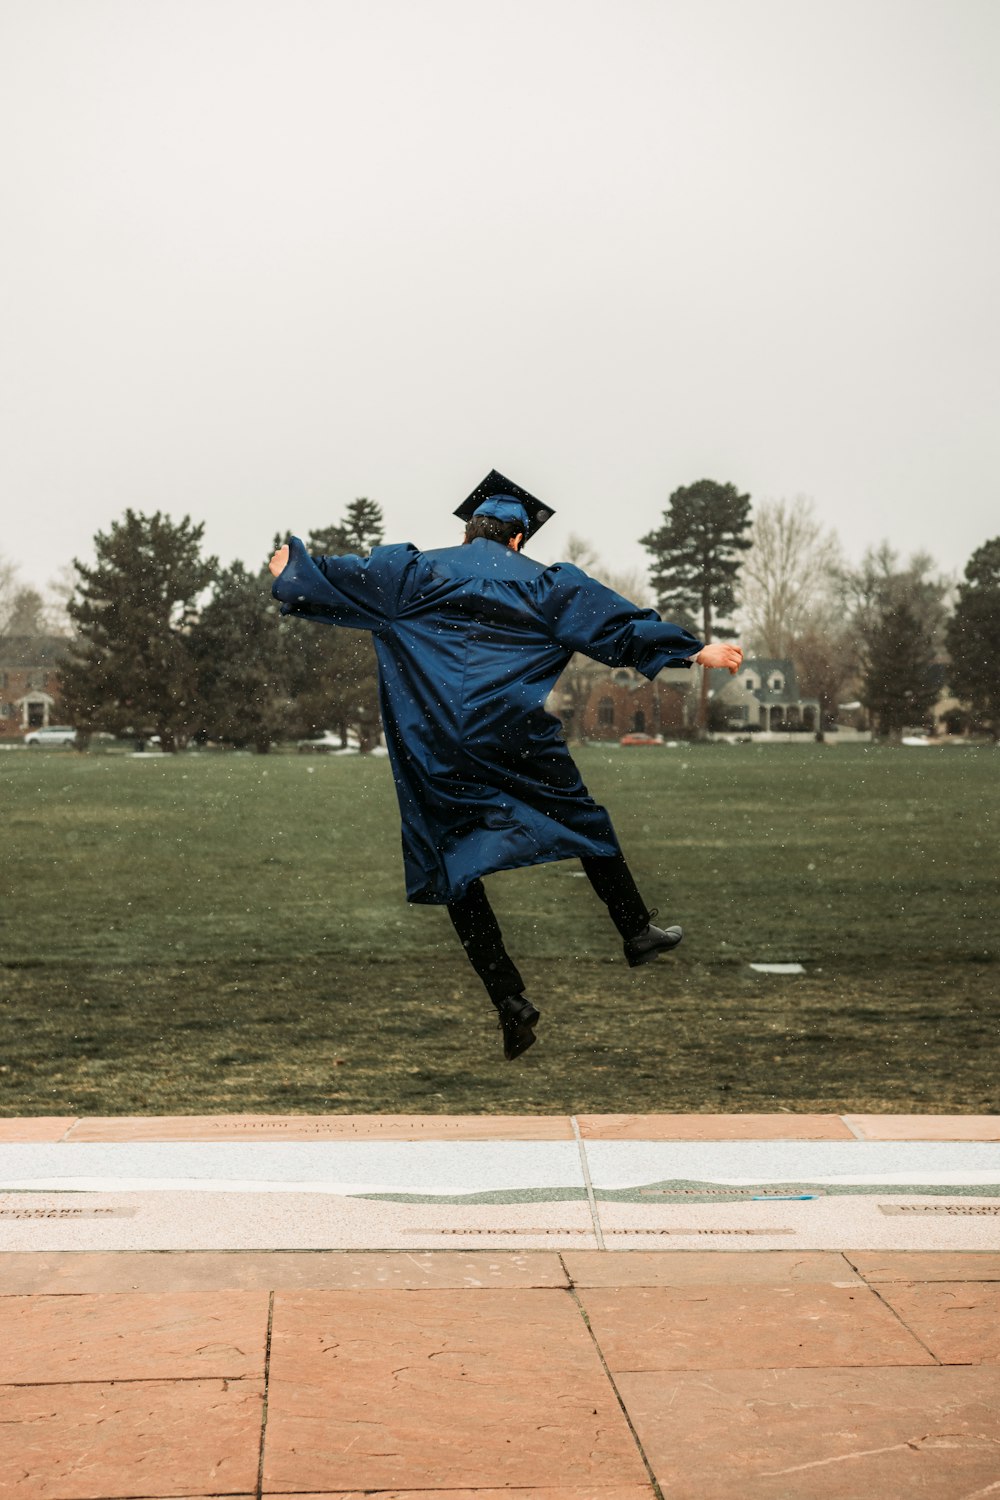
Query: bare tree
pixel 788 586
pixel 582 553
pixel 57 596
pixel 883 582
pixel 9 587
pixel 896 615
pixel 631 583
pixel 24 610
pixel 824 658
pixel 26 615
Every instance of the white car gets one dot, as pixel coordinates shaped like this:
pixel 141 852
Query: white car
pixel 56 734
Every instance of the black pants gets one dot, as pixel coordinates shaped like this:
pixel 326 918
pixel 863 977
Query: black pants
pixel 479 930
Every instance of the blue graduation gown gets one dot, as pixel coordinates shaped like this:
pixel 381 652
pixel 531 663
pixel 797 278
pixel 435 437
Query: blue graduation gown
pixel 470 641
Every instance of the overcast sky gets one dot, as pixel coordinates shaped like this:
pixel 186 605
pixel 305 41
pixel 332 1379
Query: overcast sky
pixel 260 257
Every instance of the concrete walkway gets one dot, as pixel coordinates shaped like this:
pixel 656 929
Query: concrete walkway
pixel 438 1308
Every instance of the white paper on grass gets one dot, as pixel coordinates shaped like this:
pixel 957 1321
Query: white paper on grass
pixel 779 968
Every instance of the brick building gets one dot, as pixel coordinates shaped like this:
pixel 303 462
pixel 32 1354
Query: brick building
pixel 624 702
pixel 29 682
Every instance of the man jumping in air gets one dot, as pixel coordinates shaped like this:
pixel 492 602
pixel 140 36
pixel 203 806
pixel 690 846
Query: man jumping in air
pixel 470 641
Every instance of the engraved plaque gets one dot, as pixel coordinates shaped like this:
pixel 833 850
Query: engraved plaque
pixel 519 1229
pixel 698 1232
pixel 27 1206
pixel 728 1192
pixel 976 1210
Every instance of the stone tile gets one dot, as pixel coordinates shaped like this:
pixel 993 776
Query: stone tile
pixel 35 1128
pixel 275 1220
pixel 133 1336
pixel 727 1227
pixel 926 1127
pixel 319 1127
pixel 763 1227
pixel 203 1270
pixel 746 1327
pixel 272 1221
pixel 713 1128
pixel 107 1441
pixel 574 1492
pixel 707 1268
pixel 925 1265
pixel 958 1321
pixel 486 1389
pixel 825 1223
pixel 819 1434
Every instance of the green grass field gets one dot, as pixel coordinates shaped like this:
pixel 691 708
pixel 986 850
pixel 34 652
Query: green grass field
pixel 210 932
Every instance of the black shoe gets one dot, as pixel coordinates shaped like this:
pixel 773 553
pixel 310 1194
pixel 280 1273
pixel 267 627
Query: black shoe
pixel 517 1018
pixel 651 942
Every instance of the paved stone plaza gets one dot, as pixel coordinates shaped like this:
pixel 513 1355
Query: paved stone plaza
pixel 548 1308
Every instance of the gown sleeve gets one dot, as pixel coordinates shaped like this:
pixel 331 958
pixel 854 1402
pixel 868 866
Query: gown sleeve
pixel 584 615
pixel 361 593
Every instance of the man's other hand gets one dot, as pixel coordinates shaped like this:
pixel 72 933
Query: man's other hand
pixel 279 561
pixel 720 654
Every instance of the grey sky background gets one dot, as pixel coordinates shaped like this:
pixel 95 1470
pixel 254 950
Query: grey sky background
pixel 260 257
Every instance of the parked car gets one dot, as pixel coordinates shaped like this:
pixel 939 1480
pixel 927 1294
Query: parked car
pixel 56 734
pixel 641 739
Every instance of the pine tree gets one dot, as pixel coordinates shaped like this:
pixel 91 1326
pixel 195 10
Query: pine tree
pixel 696 555
pixel 973 638
pixel 898 687
pixel 239 649
pixel 333 673
pixel 696 560
pixel 132 666
pixel 361 529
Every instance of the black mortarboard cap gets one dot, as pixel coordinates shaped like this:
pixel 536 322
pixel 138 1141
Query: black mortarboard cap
pixel 492 487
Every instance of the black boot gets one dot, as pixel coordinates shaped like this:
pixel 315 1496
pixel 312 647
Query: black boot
pixel 651 942
pixel 518 1017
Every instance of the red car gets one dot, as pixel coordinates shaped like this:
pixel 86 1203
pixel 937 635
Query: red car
pixel 641 739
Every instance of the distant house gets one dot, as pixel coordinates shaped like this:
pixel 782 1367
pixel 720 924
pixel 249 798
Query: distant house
pixel 624 702
pixel 29 682
pixel 764 693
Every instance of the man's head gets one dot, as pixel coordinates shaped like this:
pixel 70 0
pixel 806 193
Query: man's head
pixel 508 533
pixel 496 499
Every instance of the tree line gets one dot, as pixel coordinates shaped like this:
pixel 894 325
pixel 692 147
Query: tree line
pixel 891 631
pixel 165 641
pixel 168 643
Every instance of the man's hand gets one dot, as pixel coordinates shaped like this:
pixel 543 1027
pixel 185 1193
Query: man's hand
pixel 720 654
pixel 279 561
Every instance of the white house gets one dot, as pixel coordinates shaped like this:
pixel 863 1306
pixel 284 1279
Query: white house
pixel 765 693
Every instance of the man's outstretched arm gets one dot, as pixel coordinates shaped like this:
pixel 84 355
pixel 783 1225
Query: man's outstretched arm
pixel 358 592
pixel 586 616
